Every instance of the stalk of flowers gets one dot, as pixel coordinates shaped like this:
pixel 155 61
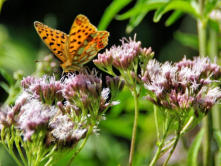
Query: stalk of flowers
pixel 127 59
pixel 51 116
pixel 185 90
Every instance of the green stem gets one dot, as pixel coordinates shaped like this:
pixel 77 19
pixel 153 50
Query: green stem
pixel 202 37
pixel 187 125
pixel 156 122
pixel 20 151
pixel 201 26
pixel 213 53
pixel 160 146
pixel 81 146
pixel 174 146
pixel 207 121
pixel 171 142
pixel 207 125
pixel 136 113
pixel 9 146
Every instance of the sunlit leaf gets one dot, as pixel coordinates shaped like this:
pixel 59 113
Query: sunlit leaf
pixel 181 5
pixel 5 86
pixel 194 149
pixel 139 8
pixel 209 6
pixel 173 17
pixel 6 76
pixel 1 3
pixel 111 11
pixel 214 24
pixel 134 21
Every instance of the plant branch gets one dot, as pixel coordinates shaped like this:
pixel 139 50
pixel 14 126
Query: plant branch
pixel 136 113
pixel 161 145
pixel 81 146
pixel 174 146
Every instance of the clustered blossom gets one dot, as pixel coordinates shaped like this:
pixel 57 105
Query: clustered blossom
pixel 122 57
pixel 64 109
pixel 185 84
pixel 6 116
pixel 64 129
pixel 34 114
pixel 46 89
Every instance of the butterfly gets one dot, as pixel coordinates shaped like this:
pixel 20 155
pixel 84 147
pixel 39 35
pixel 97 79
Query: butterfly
pixel 79 47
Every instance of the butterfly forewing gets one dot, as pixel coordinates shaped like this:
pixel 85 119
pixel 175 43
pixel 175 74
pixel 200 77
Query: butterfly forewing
pixel 80 31
pixel 54 39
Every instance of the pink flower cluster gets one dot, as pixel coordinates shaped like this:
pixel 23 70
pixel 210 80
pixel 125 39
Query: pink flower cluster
pixel 122 57
pixel 63 108
pixel 185 84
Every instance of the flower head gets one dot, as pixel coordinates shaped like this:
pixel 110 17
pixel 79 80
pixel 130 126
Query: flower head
pixel 183 85
pixel 6 117
pixel 85 95
pixel 46 89
pixel 65 130
pixel 32 115
pixel 123 56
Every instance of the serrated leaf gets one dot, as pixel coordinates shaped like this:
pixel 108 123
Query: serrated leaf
pixel 111 11
pixel 194 149
pixel 181 5
pixel 189 40
pixel 173 17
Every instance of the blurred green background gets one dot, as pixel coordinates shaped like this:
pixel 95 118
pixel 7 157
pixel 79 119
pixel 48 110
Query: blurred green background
pixel 20 48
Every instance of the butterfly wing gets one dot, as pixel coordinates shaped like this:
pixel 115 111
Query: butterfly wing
pixel 85 41
pixel 54 39
pixel 96 42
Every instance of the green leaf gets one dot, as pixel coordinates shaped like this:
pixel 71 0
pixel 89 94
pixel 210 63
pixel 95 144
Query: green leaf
pixel 7 77
pixel 1 3
pixel 210 6
pixel 189 40
pixel 218 138
pixel 214 24
pixel 123 130
pixel 5 87
pixel 144 7
pixel 181 5
pixel 173 17
pixel 194 149
pixel 111 11
pixel 139 11
pixel 135 21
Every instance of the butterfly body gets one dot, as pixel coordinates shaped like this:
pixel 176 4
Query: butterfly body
pixel 77 48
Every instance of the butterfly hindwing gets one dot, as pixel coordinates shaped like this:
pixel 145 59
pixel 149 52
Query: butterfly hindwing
pixel 94 43
pixel 54 39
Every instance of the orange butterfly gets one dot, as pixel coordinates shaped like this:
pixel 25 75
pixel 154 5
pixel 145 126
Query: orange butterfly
pixel 77 48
